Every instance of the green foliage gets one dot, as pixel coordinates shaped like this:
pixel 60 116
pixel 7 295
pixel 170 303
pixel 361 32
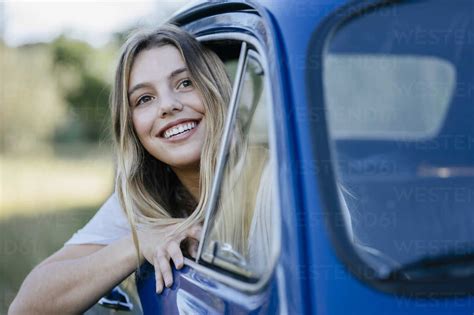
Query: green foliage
pixel 54 93
pixel 70 52
pixel 90 102
pixel 32 105
pixel 85 89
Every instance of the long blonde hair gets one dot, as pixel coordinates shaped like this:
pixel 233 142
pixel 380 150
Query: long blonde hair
pixel 146 186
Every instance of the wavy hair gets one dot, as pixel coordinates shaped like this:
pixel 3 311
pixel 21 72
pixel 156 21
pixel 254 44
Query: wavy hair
pixel 148 191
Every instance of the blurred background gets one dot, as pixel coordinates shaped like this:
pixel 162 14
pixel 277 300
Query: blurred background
pixel 57 61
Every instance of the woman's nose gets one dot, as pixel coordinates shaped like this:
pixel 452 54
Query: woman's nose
pixel 169 104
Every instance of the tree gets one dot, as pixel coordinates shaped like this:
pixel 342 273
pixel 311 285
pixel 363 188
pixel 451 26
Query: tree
pixel 85 88
pixel 32 105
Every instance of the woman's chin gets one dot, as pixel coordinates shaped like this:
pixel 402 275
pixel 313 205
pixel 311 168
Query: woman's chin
pixel 189 162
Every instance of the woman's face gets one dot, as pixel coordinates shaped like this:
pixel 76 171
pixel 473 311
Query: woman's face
pixel 168 113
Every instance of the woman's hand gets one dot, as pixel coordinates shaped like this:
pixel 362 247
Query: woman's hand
pixel 160 246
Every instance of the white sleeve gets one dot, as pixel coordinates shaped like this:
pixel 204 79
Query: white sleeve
pixel 108 225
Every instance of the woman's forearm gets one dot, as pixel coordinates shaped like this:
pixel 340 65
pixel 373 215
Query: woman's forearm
pixel 72 285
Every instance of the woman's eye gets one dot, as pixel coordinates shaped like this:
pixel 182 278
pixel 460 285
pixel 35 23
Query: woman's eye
pixel 144 99
pixel 185 83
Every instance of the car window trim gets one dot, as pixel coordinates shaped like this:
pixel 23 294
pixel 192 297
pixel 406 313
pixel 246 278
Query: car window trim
pixel 240 285
pixel 224 145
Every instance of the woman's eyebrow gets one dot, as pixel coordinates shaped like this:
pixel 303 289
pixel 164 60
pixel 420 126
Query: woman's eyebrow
pixel 177 71
pixel 172 74
pixel 136 87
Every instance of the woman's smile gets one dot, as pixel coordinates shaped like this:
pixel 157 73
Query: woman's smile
pixel 178 129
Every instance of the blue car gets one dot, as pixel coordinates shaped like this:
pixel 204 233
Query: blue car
pixel 365 114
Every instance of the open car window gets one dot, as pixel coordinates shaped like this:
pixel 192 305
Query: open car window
pixel 239 226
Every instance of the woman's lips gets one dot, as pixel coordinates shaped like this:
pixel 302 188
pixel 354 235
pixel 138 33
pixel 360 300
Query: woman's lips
pixel 183 135
pixel 179 128
pixel 172 124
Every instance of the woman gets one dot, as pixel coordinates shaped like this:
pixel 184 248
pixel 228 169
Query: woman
pixel 168 108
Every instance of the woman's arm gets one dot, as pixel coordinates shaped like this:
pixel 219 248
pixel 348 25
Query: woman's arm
pixel 74 278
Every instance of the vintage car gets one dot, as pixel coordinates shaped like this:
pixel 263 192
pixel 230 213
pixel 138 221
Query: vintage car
pixel 365 111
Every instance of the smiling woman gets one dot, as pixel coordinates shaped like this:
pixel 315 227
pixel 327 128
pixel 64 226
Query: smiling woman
pixel 168 109
pixel 171 80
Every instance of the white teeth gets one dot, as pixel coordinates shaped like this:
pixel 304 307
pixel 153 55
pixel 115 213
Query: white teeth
pixel 179 129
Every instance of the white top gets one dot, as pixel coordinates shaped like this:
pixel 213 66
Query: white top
pixel 108 225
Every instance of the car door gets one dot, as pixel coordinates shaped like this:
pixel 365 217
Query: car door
pixel 395 134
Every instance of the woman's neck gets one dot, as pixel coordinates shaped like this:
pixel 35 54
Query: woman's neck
pixel 190 180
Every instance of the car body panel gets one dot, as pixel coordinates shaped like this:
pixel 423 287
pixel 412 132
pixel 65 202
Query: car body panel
pixel 309 277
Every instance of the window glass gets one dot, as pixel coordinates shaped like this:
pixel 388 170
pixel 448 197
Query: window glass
pixel 398 83
pixel 239 235
pixel 375 96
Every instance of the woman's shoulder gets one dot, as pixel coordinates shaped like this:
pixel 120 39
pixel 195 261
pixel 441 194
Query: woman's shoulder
pixel 108 224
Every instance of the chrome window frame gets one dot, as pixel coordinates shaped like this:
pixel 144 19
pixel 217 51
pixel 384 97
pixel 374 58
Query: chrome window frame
pixel 225 143
pixel 249 287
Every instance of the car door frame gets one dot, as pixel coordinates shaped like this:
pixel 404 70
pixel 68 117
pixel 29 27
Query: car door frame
pixel 250 27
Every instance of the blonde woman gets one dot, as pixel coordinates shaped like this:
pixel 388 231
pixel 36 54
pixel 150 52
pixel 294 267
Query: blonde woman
pixel 168 109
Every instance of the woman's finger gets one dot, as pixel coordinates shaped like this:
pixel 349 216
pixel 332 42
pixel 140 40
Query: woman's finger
pixel 164 262
pixel 176 255
pixel 158 276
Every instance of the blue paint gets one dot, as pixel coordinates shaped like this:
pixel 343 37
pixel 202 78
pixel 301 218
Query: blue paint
pixel 317 281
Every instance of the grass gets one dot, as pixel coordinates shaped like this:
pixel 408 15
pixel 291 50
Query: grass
pixel 27 240
pixel 43 201
pixel 31 185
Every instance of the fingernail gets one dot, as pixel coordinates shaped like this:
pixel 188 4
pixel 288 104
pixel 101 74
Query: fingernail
pixel 159 289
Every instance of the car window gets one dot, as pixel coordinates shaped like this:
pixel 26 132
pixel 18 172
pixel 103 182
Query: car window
pixel 396 96
pixel 397 85
pixel 239 237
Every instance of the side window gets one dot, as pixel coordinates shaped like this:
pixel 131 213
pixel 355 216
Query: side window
pixel 400 130
pixel 239 227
